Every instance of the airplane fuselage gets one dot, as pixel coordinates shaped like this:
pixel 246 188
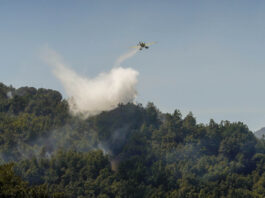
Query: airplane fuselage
pixel 142 45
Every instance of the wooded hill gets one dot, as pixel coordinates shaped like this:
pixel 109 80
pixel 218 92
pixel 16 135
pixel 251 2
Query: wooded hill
pixel 131 151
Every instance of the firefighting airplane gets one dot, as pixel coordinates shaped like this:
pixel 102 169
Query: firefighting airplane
pixel 143 45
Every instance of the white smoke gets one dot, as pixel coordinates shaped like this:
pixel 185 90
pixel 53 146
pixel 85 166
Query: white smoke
pixel 9 95
pixel 90 96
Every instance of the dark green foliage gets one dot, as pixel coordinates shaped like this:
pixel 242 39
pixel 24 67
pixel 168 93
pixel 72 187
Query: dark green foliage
pixel 130 151
pixel 12 186
pixel 26 115
pixel 68 172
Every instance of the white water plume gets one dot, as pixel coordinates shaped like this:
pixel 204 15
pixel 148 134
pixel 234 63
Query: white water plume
pixel 90 96
pixel 126 56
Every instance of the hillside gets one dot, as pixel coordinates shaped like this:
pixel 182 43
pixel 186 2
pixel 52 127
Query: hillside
pixel 130 151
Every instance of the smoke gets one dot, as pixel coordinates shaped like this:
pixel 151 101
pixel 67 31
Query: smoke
pixel 9 95
pixel 90 96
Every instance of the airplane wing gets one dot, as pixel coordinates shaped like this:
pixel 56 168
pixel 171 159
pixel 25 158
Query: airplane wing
pixel 148 44
pixel 135 47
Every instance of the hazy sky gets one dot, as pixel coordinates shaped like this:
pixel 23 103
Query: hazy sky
pixel 209 58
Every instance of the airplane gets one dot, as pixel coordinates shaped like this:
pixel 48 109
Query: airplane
pixel 143 45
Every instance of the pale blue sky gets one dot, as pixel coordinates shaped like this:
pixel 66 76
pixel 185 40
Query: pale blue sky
pixel 209 58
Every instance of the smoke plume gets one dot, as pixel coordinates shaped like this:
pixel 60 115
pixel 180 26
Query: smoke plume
pixel 90 96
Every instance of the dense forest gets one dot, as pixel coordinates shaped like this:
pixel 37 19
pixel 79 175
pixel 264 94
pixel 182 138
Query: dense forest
pixel 130 151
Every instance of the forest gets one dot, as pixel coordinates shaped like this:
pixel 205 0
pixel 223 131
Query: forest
pixel 132 151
